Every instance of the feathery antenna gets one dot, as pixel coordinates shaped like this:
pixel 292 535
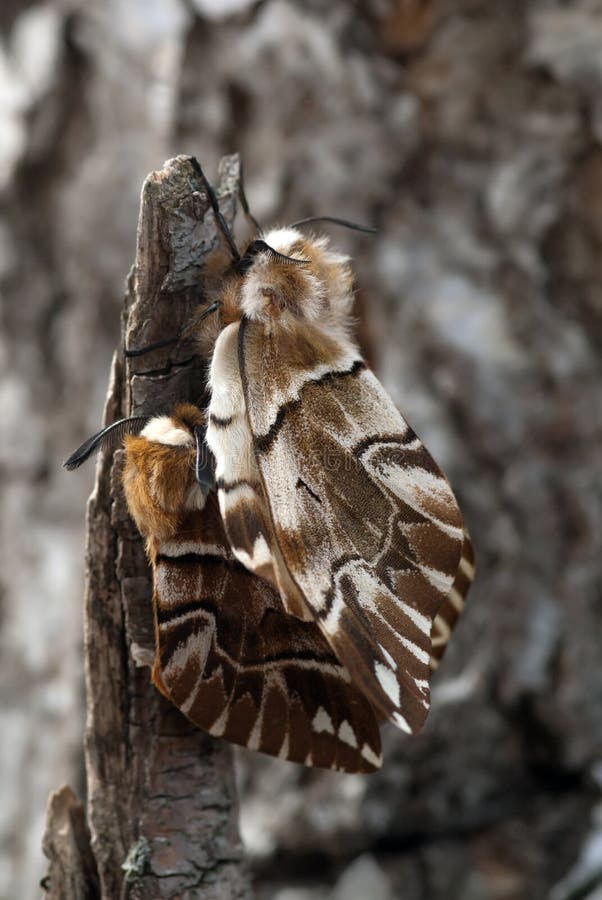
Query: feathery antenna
pixel 107 438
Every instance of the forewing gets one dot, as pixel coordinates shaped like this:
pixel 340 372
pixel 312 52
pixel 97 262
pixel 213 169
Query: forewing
pixel 450 610
pixel 366 522
pixel 244 509
pixel 242 669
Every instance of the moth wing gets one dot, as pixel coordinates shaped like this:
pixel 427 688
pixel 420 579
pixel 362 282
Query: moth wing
pixel 365 520
pixel 243 506
pixel 450 610
pixel 242 669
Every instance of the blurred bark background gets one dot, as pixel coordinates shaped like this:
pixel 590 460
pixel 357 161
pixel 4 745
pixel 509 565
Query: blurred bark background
pixel 470 132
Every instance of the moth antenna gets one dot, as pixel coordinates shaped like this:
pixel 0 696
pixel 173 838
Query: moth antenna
pixel 336 221
pixel 280 257
pixel 245 204
pixel 203 469
pixel 223 227
pixel 107 438
pixel 149 347
pixel 259 246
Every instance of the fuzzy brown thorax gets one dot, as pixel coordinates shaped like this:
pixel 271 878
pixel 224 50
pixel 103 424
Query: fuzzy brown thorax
pixel 272 290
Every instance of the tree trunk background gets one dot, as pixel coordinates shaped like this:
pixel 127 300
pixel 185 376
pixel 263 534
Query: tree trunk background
pixel 470 132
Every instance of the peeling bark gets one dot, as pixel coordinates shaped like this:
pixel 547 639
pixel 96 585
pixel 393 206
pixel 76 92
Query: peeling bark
pixel 72 871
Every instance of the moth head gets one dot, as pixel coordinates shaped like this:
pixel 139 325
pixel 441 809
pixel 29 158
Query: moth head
pixel 286 277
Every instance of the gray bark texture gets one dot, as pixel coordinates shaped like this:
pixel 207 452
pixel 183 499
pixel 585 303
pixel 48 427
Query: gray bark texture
pixel 470 132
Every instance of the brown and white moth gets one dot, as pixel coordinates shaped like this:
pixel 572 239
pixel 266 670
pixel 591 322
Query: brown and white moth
pixel 310 599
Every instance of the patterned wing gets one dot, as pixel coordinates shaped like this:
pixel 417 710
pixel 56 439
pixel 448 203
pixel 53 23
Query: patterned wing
pixel 365 520
pixel 243 506
pixel 241 668
pixel 449 612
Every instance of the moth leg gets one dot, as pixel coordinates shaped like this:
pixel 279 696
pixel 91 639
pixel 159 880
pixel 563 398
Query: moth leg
pixel 159 473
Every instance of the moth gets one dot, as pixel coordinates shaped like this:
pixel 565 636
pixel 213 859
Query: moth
pixel 308 570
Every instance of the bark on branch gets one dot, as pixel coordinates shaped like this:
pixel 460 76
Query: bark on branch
pixel 161 794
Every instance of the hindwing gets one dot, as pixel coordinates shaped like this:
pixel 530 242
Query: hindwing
pixel 241 668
